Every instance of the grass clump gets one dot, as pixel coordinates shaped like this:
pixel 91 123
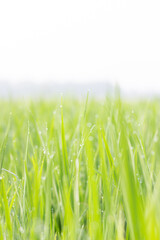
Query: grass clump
pixel 80 169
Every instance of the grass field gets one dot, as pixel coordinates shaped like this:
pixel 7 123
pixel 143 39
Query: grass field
pixel 80 169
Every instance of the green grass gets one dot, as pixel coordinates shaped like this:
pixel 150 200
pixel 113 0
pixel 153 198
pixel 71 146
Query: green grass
pixel 80 169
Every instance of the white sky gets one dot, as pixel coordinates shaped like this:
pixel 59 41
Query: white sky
pixel 85 40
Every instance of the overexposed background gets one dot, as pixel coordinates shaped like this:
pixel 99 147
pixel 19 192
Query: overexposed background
pixel 117 41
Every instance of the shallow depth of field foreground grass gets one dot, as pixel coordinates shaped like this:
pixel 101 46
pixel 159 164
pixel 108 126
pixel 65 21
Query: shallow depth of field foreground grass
pixel 80 169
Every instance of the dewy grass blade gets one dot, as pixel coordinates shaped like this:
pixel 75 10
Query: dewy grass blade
pixel 7 212
pixel 94 220
pixel 64 147
pixel 3 145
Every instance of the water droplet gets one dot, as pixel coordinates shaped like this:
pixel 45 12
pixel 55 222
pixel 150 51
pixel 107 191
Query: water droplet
pixel 51 156
pixel 21 229
pixel 152 153
pixel 43 178
pixel 89 124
